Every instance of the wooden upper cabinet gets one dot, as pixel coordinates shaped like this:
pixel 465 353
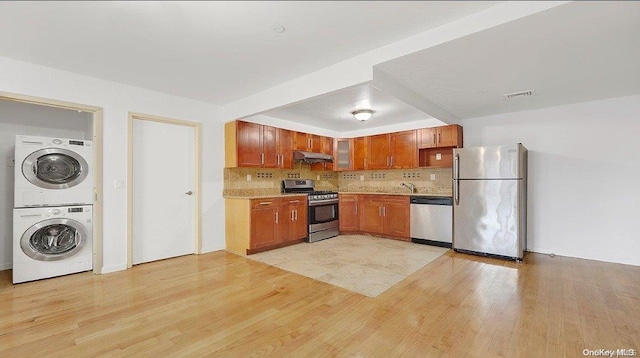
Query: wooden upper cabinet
pixel 325 146
pixel 285 149
pixel 449 136
pixel 343 154
pixel 270 147
pixel 378 151
pixel 249 144
pixel 257 145
pixel 404 154
pixel 316 144
pixel 437 137
pixel 253 145
pixel 359 153
pixel 300 141
pixel 308 142
pixel 427 137
pixel 392 151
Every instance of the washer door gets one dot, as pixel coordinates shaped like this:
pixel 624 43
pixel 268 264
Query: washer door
pixel 55 168
pixel 54 239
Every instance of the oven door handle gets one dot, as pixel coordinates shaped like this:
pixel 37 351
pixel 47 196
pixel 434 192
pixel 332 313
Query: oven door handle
pixel 323 202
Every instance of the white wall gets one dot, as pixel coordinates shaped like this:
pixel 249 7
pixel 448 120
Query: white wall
pixel 584 170
pixel 28 119
pixel 117 100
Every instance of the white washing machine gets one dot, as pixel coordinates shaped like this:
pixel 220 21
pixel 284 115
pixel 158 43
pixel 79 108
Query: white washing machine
pixel 53 172
pixel 51 241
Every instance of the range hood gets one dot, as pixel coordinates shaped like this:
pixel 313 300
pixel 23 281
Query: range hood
pixel 310 157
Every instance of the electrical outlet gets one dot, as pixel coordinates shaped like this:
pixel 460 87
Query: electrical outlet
pixel 248 177
pixel 361 177
pixel 433 177
pixel 438 156
pixel 317 177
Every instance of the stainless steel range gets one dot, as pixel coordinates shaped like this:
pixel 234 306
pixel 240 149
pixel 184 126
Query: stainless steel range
pixel 322 211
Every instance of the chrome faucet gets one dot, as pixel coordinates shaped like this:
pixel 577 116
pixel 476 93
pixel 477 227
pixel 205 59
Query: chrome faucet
pixel 411 187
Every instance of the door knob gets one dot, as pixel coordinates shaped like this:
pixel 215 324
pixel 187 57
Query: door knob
pixel 189 192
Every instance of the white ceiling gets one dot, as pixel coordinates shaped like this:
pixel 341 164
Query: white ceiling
pixel 219 52
pixel 333 111
pixel 572 53
pixel 213 51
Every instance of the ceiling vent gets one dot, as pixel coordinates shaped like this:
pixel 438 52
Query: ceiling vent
pixel 510 96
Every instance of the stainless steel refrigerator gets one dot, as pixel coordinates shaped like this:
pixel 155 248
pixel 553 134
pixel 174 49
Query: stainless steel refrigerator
pixel 490 200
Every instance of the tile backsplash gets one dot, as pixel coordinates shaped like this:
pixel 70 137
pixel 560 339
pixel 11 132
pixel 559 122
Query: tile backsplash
pixel 434 181
pixel 263 181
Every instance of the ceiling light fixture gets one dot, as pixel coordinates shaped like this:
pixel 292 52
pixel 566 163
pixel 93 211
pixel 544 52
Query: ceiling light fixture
pixel 363 114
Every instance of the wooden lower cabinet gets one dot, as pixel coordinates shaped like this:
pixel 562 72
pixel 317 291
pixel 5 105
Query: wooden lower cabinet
pixel 294 220
pixel 265 230
pixel 348 210
pixel 255 225
pixel 371 219
pixel 396 217
pixel 386 215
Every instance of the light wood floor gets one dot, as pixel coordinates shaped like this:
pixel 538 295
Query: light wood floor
pixel 219 304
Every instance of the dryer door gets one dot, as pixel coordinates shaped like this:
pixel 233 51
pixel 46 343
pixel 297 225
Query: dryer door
pixel 54 239
pixel 55 168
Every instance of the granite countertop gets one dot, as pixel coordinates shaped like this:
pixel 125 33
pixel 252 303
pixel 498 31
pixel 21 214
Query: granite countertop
pixel 262 196
pixel 399 194
pixel 339 192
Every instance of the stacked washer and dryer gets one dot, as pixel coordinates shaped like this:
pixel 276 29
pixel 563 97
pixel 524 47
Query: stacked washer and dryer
pixel 53 207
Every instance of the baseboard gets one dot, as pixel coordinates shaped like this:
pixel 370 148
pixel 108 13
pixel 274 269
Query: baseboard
pixel 114 268
pixel 208 249
pixel 6 266
pixel 587 256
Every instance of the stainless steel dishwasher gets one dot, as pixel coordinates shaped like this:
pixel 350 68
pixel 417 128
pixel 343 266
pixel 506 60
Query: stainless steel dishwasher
pixel 431 220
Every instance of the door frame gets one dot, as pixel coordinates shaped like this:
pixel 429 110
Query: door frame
pixel 97 114
pixel 197 128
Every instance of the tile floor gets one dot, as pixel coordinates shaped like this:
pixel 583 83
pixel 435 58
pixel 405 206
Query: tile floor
pixel 359 263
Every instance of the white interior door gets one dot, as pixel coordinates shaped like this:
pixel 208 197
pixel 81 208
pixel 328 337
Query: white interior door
pixel 163 185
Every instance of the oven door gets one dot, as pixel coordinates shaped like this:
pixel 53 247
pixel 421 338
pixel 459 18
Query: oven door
pixel 324 211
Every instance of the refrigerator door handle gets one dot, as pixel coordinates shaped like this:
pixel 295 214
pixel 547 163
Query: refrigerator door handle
pixel 456 180
pixel 456 166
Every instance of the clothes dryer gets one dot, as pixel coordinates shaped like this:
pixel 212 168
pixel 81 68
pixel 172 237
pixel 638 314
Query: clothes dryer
pixel 53 172
pixel 51 241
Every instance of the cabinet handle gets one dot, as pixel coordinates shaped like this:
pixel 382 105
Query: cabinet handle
pixel 384 211
pixel 392 161
pixel 265 203
pixel 296 216
pixel 262 159
pixel 291 216
pixel 365 163
pixel 434 138
pixel 380 211
pixel 439 138
pixel 293 201
pixel 276 217
pixel 356 209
